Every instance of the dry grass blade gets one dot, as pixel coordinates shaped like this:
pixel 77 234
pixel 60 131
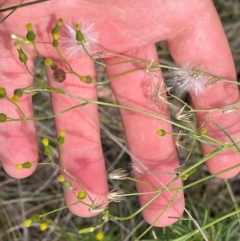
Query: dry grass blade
pixel 15 7
pixel 21 4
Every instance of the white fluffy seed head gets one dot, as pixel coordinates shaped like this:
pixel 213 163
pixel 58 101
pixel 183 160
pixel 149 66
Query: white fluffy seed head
pixel 185 80
pixel 71 47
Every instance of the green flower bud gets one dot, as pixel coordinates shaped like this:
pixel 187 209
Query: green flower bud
pixel 55 40
pixel 79 34
pixel 54 66
pixel 18 92
pixel 15 98
pixel 67 184
pixel 3 117
pixel 30 34
pixel 88 79
pixel 60 140
pixel 27 165
pixel 2 92
pixel 35 218
pixel 22 56
pixel 161 132
pixel 186 175
pixel 56 29
pixel 55 43
pixel 47 150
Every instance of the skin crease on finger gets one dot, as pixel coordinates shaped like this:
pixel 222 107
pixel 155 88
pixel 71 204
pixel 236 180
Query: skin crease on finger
pixel 122 27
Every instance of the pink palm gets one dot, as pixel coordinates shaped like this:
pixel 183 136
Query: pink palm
pixel 193 34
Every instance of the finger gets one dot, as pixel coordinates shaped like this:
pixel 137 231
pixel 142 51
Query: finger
pixel 18 142
pixel 150 153
pixel 81 154
pixel 204 41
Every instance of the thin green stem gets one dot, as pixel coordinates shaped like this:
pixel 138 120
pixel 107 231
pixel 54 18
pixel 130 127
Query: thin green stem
pixel 49 116
pixel 201 138
pixel 18 107
pixel 21 5
pixel 118 75
pixel 28 70
pixel 58 209
pixel 227 134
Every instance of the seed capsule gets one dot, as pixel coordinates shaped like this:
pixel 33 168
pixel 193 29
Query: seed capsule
pixel 59 75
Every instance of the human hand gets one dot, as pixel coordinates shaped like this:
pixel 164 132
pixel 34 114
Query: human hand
pixel 193 34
